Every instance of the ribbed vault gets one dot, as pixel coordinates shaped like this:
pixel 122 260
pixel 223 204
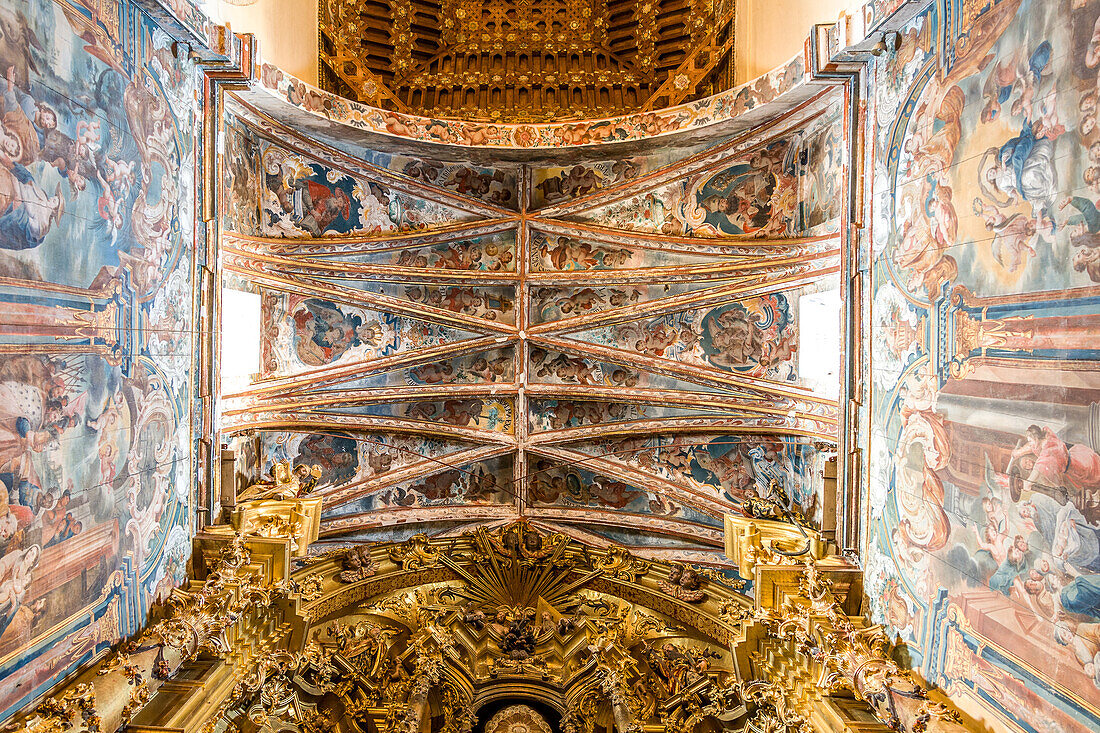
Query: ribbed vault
pixel 608 347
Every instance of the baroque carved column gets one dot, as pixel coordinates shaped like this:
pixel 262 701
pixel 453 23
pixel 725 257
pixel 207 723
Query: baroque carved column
pixel 848 654
pixel 611 682
pixel 813 641
pixel 246 589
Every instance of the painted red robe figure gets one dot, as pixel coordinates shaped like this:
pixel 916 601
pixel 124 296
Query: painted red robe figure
pixel 1058 465
pixel 321 205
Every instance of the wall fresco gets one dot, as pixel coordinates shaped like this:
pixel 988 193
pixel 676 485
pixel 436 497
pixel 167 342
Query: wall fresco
pixel 567 253
pixel 638 539
pixel 240 176
pixel 730 468
pixel 484 253
pixel 352 459
pixel 97 235
pixel 555 367
pixel 488 302
pixel 492 366
pixel 397 533
pixel 557 184
pixel 304 197
pixel 559 414
pixel 483 482
pixel 495 186
pixel 559 485
pixel 982 550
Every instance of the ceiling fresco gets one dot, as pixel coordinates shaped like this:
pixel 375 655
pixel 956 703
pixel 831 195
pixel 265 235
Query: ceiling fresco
pixel 601 346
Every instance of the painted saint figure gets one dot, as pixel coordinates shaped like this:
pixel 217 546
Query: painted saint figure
pixel 1065 471
pixel 324 332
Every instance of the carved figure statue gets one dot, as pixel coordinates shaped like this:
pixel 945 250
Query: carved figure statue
pixel 356 565
pixel 518 641
pixel 683 583
pixel 285 482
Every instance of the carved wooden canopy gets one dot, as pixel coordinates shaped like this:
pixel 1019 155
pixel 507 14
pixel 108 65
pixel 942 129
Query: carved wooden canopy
pixel 526 59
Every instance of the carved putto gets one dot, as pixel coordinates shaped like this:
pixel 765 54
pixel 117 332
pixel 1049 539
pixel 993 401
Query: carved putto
pixel 683 583
pixel 521 541
pixel 356 564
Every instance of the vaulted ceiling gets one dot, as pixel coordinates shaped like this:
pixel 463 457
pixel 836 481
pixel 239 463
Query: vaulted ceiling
pixel 608 347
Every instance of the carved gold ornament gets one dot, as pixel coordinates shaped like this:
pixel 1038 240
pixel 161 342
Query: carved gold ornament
pixel 518 60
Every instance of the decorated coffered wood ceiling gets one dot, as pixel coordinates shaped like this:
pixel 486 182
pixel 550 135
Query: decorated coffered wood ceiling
pixel 609 347
pixel 525 59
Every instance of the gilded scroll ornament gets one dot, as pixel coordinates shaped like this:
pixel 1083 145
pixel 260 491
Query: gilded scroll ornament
pixel 59 714
pixel 619 563
pixel 200 619
pixel 770 711
pixel 416 553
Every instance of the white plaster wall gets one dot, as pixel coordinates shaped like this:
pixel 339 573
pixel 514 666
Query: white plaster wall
pixel 286 31
pixel 770 32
